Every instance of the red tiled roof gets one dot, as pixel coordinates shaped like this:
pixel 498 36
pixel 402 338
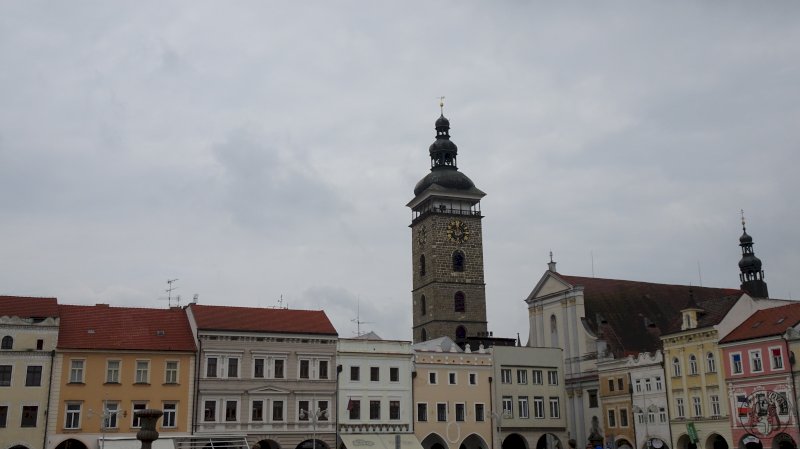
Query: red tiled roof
pixel 252 319
pixel 117 328
pixel 766 323
pixel 631 315
pixel 28 307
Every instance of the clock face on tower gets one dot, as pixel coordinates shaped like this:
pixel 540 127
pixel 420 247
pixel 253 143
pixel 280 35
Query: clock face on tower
pixel 422 235
pixel 457 231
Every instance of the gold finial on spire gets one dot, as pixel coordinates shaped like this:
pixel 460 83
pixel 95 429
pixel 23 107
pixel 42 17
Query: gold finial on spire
pixel 742 212
pixel 441 104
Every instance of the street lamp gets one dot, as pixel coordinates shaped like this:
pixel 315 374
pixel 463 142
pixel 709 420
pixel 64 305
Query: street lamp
pixel 317 415
pixel 105 416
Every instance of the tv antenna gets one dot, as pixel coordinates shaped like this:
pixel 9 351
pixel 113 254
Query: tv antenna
pixel 169 291
pixel 357 319
pixel 281 303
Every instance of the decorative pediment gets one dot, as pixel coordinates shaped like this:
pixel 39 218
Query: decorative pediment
pixel 549 283
pixel 268 390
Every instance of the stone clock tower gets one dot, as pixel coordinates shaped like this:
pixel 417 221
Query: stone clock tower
pixel 449 295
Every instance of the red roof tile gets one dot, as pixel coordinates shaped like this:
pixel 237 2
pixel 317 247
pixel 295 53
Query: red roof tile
pixel 28 307
pixel 632 315
pixel 118 328
pixel 251 319
pixel 766 323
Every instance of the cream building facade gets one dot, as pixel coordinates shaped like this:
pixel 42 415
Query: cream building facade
pixel 649 398
pixel 615 400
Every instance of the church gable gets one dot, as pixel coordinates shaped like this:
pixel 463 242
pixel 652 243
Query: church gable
pixel 549 283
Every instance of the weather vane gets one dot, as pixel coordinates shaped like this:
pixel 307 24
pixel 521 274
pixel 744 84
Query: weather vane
pixel 742 212
pixel 441 104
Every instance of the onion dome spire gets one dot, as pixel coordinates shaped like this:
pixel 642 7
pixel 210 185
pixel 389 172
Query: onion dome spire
pixel 751 276
pixel 443 150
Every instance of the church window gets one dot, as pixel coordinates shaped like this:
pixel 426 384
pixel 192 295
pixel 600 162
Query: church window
pixel 8 342
pixel 458 261
pixel 424 335
pixel 461 333
pixel 422 265
pixel 423 307
pixel 460 302
pixel 553 332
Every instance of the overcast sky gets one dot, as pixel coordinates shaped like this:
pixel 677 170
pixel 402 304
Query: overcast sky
pixel 255 150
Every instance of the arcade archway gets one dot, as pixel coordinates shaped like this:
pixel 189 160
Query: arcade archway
pixel 312 444
pixel 71 444
pixel 268 444
pixel 783 441
pixel 433 441
pixel 474 441
pixel 548 441
pixel 515 441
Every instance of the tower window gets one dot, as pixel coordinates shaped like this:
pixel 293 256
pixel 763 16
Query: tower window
pixel 424 335
pixel 461 333
pixel 459 302
pixel 422 265
pixel 422 305
pixel 458 261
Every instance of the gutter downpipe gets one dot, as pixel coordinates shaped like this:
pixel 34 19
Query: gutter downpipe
pixel 491 407
pixel 338 372
pixel 196 383
pixel 49 392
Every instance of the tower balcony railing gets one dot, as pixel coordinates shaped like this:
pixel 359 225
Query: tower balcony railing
pixel 442 209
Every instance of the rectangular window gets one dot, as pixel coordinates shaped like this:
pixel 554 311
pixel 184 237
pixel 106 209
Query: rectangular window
pixel 277 410
pixel 662 414
pixel 231 407
pixel 522 407
pixel 137 406
pixel 451 378
pixel 659 385
pixel 171 372
pixel 538 407
pixel 258 368
pixel 374 374
pixel 505 376
pixel 473 379
pixel 394 410
pixel 736 363
pixel 432 378
pixel 552 377
pixel 233 367
pixel 612 418
pixel 30 414
pixel 508 407
pixel 73 416
pixel 322 372
pixel 210 413
pixel 637 385
pixel 257 412
pixel 593 402
pixel 322 408
pixel 374 409
pixel 623 417
pixel 647 385
pixel 441 412
pixel 698 409
pixel 480 412
pixel 279 364
pixel 33 378
pixel 39 345
pixel 142 371
pixel 783 403
pixel 522 376
pixel 76 371
pixel 354 407
pixel 555 408
pixel 112 371
pixel 305 369
pixel 679 408
pixel 620 384
pixel 110 412
pixel 777 358
pixel 355 373
pixel 422 412
pixel 3 416
pixel 170 418
pixel 610 384
pixel 536 377
pixel 394 374
pixel 756 365
pixel 303 411
pixel 461 413
pixel 651 416
pixel 715 408
pixel 211 367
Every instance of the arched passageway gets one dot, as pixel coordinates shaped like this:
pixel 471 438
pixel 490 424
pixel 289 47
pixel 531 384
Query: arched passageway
pixel 474 441
pixel 548 441
pixel 515 441
pixel 312 444
pixel 433 441
pixel 268 444
pixel 684 442
pixel 783 441
pixel 750 442
pixel 71 444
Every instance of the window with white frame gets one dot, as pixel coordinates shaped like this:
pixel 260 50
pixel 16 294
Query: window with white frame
pixel 171 372
pixel 231 410
pixel 552 377
pixel 505 376
pixel 676 367
pixel 233 367
pixel 461 413
pixel 480 412
pixel 170 417
pixel 776 358
pixel 612 418
pixel 76 371
pixel 142 375
pixel 259 368
pixel 680 409
pixel 536 377
pixel 647 385
pixel 522 376
pixel 257 410
pixel 394 374
pixel 639 416
pixel 432 378
pixel 508 407
pixel 736 363
pixel 278 368
pixel 374 374
pixel 692 365
pixel 110 413
pixel 697 407
pixel 315 368
pixel 522 407
pixel 711 363
pixel 623 417
pixel 441 412
pixel 659 384
pixel 211 367
pixel 637 385
pixel 422 412
pixel 322 410
pixel 651 414
pixel 451 378
pixel 375 409
pixel 538 407
pixel 112 371
pixel 473 378
pixel 555 407
pixel 756 364
pixel 394 410
pixel 73 415
pixel 715 408
pixel 210 410
pixel 136 407
pixel 322 369
pixel 277 410
pixel 662 414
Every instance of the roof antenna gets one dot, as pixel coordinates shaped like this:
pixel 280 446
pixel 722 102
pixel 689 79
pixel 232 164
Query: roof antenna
pixel 441 105
pixel 743 227
pixel 699 273
pixel 591 254
pixel 169 291
pixel 357 319
pixel 280 303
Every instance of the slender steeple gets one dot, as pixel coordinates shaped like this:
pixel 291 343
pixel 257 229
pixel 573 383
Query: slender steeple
pixel 751 276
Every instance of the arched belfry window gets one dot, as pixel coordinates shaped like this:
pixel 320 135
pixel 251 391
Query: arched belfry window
pixel 422 265
pixel 459 302
pixel 692 364
pixel 423 306
pixel 711 363
pixel 8 342
pixel 461 333
pixel 458 260
pixel 553 331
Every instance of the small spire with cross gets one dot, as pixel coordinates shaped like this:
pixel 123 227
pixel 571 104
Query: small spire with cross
pixel 441 105
pixel 551 266
pixel 743 226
